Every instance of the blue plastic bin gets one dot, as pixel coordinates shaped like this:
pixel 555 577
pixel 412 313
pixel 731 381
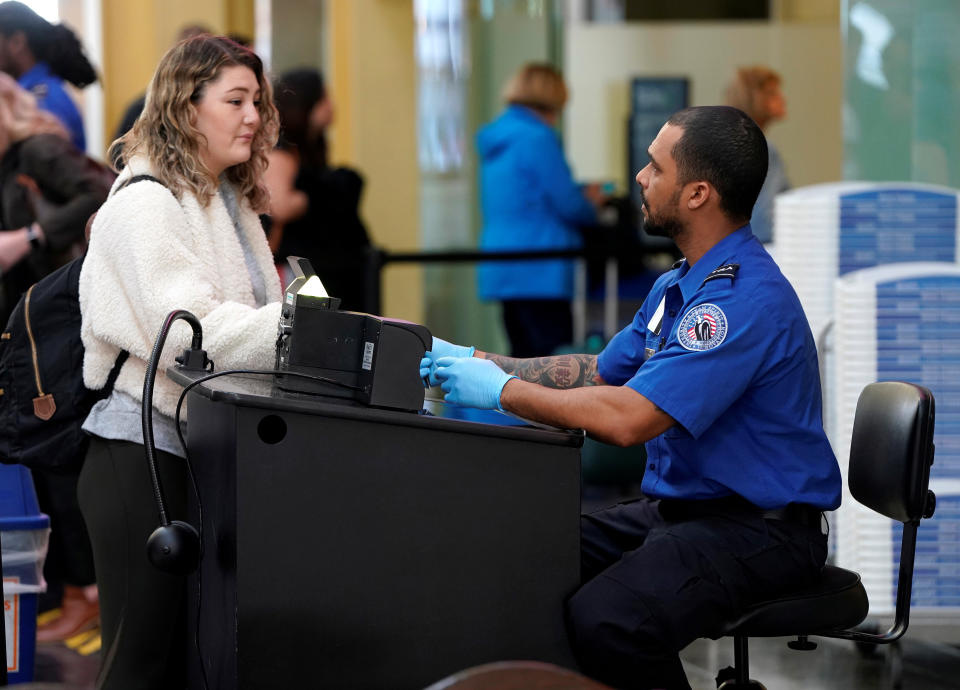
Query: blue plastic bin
pixel 24 533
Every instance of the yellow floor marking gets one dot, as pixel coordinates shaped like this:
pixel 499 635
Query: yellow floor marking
pixel 92 646
pixel 82 638
pixel 47 616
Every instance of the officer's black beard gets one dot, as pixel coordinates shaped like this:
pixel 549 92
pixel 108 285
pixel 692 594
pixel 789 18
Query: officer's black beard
pixel 662 227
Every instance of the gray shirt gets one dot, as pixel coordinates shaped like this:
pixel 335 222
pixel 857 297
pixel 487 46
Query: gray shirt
pixel 775 183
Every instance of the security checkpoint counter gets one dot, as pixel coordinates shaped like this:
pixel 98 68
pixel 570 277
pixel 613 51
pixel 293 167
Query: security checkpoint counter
pixel 349 546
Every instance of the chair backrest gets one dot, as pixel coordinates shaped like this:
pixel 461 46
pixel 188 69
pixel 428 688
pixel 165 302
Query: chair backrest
pixel 892 449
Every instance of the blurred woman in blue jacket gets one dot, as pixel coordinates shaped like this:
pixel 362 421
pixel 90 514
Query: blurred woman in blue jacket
pixel 530 202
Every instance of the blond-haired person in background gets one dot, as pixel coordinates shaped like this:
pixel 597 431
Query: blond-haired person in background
pixel 530 201
pixel 48 189
pixel 757 91
pixel 190 239
pixel 37 160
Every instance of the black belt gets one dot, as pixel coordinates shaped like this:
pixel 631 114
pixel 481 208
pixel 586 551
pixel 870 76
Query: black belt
pixel 801 513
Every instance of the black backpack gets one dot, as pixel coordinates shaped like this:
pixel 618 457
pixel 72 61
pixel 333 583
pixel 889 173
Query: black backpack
pixel 43 401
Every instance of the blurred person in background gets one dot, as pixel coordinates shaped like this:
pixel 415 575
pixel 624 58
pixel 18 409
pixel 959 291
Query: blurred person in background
pixel 756 91
pixel 40 56
pixel 530 201
pixel 315 208
pixel 48 189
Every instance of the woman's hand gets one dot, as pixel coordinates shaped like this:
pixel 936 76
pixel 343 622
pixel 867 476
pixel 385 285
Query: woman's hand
pixel 14 245
pixel 595 194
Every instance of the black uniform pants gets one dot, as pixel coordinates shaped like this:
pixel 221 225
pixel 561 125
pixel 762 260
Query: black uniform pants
pixel 654 584
pixel 142 610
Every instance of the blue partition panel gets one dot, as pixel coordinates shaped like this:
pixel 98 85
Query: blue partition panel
pixel 892 225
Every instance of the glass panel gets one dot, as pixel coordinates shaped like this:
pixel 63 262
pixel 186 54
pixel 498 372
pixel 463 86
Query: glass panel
pixel 466 49
pixel 442 72
pixel 901 101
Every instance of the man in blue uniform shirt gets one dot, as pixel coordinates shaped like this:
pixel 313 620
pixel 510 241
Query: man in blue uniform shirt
pixel 718 375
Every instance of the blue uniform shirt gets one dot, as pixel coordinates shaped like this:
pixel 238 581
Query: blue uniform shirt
pixel 53 97
pixel 724 348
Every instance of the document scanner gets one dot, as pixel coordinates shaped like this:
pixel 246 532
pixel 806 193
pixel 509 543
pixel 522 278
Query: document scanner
pixel 369 359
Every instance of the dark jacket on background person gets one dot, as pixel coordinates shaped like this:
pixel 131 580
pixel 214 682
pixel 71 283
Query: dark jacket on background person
pixel 331 233
pixel 45 179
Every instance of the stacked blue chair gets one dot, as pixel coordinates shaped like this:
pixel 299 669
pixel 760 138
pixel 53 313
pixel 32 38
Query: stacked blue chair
pixel 902 322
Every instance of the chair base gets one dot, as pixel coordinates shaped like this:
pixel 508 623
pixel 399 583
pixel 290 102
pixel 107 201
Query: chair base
pixel 727 680
pixel 802 644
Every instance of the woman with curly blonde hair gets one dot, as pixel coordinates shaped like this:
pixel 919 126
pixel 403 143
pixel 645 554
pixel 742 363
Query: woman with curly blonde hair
pixel 180 230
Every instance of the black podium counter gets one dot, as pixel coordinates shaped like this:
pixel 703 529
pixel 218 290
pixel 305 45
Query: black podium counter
pixel 352 547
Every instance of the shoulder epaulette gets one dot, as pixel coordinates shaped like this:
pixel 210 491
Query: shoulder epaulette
pixel 725 271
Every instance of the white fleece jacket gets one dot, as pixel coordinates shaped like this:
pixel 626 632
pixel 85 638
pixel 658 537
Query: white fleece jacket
pixel 150 254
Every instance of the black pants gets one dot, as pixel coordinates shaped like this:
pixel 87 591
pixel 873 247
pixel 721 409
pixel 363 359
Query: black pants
pixel 537 327
pixel 69 556
pixel 652 586
pixel 142 611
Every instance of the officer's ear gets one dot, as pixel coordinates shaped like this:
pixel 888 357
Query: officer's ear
pixel 698 194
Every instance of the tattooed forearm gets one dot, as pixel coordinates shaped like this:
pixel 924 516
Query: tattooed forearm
pixel 559 371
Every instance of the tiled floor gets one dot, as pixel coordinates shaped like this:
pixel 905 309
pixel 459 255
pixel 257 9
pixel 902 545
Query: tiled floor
pixel 835 665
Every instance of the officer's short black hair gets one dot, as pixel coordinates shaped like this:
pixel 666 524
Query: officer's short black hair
pixel 723 146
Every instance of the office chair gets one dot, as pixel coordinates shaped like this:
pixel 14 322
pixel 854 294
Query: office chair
pixel 890 456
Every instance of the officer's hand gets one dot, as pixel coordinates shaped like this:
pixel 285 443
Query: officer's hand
pixel 440 348
pixel 471 381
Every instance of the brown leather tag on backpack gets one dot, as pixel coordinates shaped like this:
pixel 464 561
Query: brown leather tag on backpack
pixel 44 406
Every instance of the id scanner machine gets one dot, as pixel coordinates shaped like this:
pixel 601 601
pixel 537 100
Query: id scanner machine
pixel 373 360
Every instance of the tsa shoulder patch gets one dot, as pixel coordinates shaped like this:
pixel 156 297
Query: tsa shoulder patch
pixel 702 328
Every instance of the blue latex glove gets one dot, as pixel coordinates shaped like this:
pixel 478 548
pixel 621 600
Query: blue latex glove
pixel 440 348
pixel 472 382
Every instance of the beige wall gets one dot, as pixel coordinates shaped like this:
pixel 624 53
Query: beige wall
pixel 137 32
pixel 372 79
pixel 601 59
pixel 805 10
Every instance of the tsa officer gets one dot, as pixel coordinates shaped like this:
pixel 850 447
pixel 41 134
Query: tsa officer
pixel 718 375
